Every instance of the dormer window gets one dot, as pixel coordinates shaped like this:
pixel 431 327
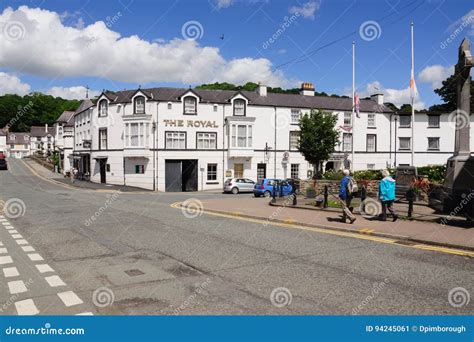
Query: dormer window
pixel 190 105
pixel 239 107
pixel 139 104
pixel 103 107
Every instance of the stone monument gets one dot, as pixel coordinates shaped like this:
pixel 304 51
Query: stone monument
pixel 456 192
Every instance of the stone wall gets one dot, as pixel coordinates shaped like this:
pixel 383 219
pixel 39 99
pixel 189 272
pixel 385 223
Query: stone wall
pixel 372 186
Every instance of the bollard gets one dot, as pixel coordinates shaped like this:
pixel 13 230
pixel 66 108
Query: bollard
pixel 411 198
pixel 293 192
pixel 326 195
pixel 274 193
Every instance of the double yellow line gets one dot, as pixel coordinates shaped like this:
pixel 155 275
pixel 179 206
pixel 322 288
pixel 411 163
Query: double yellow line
pixel 362 234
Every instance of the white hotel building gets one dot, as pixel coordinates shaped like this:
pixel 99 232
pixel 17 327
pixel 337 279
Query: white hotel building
pixel 170 139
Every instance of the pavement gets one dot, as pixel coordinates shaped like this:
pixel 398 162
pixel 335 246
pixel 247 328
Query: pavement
pixel 141 253
pixel 415 231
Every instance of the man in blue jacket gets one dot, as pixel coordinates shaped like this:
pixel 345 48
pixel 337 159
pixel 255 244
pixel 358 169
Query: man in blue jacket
pixel 344 193
pixel 387 195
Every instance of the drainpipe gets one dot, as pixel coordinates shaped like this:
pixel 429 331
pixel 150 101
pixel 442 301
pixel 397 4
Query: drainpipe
pixel 223 144
pixel 153 125
pixel 155 138
pixel 275 145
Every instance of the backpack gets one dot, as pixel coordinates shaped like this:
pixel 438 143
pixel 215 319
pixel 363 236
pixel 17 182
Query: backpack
pixel 352 186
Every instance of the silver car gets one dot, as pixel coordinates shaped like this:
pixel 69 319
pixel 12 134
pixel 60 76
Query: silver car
pixel 236 185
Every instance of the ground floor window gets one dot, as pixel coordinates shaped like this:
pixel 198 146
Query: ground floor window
pixel 370 166
pixel 405 143
pixel 295 171
pixel 211 172
pixel 433 143
pixel 139 168
pixel 238 170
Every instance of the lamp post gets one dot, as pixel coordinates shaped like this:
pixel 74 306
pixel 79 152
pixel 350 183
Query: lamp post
pixel 395 141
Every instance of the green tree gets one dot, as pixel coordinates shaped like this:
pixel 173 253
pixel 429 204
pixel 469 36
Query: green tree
pixel 318 137
pixel 448 93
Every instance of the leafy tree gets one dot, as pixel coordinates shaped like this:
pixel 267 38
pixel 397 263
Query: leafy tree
pixel 448 93
pixel 318 137
pixel 405 108
pixel 22 112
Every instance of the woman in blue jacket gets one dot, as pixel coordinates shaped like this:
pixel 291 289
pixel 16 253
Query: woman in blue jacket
pixel 387 195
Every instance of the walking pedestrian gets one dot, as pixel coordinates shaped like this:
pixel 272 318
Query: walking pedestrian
pixel 345 194
pixel 387 195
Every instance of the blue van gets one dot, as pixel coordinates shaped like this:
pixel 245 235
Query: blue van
pixel 264 187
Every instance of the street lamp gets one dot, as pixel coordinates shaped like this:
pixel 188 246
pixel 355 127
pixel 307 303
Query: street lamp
pixel 395 141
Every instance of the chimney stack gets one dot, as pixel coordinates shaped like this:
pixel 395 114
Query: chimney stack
pixel 377 98
pixel 262 89
pixel 307 89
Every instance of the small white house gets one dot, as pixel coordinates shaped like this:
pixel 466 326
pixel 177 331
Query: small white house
pixel 42 139
pixel 64 139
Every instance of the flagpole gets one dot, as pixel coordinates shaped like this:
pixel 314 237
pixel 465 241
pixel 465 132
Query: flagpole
pixel 353 104
pixel 412 99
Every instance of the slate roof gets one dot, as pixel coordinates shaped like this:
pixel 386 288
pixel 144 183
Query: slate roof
pixel 65 116
pixel 85 104
pixel 272 99
pixel 20 138
pixel 39 131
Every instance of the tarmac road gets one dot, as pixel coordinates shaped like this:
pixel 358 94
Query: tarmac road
pixel 74 251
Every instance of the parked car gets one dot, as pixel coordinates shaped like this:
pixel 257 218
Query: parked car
pixel 264 187
pixel 236 185
pixel 296 182
pixel 3 164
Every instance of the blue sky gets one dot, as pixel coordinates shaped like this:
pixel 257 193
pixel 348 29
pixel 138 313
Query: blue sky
pixel 61 46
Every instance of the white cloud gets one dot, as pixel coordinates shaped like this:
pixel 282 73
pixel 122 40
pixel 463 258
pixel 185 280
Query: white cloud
pixel 10 84
pixel 57 50
pixel 307 10
pixel 435 74
pixel 396 96
pixel 71 93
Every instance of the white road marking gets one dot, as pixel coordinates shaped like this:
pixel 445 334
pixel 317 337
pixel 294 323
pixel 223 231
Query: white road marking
pixel 3 220
pixel 26 307
pixel 85 314
pixel 35 257
pixel 17 286
pixel 27 249
pixel 69 298
pixel 9 227
pixel 5 260
pixel 17 236
pixel 13 231
pixel 22 242
pixel 1 243
pixel 1 216
pixel 10 272
pixel 6 223
pixel 3 251
pixel 55 281
pixel 44 268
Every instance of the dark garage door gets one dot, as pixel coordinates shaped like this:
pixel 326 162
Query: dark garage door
pixel 181 175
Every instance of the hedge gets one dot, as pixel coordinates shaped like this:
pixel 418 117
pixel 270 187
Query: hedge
pixel 434 173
